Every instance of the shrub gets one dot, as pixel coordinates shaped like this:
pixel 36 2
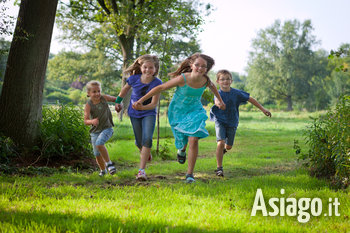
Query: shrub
pixel 63 133
pixel 58 97
pixel 328 138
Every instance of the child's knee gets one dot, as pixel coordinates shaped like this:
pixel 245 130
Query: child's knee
pixel 228 147
pixel 100 147
pixel 221 142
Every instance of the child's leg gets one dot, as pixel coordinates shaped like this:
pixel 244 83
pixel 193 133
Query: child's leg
pixel 103 137
pixel 192 153
pixel 99 160
pixel 220 152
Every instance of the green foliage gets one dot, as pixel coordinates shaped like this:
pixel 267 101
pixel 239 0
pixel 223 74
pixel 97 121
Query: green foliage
pixel 63 133
pixel 58 97
pixel 282 63
pixel 68 67
pixel 328 138
pixel 8 150
pixel 164 150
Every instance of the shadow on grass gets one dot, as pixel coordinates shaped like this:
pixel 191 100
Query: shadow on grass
pixel 70 222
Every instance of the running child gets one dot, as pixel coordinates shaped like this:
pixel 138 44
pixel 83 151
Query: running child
pixel 143 78
pixel 186 114
pixel 99 116
pixel 226 121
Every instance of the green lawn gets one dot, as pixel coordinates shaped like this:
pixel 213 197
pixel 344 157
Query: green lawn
pixel 262 158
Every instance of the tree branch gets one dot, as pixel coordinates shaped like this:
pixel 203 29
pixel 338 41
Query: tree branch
pixel 104 7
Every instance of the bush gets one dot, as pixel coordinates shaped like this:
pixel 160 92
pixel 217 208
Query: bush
pixel 63 133
pixel 58 97
pixel 8 149
pixel 329 144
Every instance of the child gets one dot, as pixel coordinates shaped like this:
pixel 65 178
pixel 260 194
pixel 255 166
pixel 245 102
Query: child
pixel 143 78
pixel 226 121
pixel 186 114
pixel 99 116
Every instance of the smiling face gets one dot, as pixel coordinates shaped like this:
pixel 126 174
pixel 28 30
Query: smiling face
pixel 94 93
pixel 148 69
pixel 199 66
pixel 224 81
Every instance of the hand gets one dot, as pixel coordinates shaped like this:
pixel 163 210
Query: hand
pixel 95 122
pixel 118 107
pixel 221 105
pixel 267 113
pixel 137 105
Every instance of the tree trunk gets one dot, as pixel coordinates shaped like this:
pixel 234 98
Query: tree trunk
pixel 21 97
pixel 290 103
pixel 127 45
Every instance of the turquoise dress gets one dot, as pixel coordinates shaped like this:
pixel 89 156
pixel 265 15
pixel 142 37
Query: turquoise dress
pixel 186 114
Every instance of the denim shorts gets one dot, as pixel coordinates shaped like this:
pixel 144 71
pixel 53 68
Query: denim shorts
pixel 143 130
pixel 98 139
pixel 224 132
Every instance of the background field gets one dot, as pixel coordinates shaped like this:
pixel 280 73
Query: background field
pixel 263 157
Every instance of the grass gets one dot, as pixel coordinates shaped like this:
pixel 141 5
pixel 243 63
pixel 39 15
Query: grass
pixel 262 158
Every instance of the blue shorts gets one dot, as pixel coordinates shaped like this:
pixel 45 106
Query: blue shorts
pixel 143 130
pixel 224 132
pixel 98 139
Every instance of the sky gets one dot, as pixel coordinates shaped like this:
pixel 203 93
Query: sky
pixel 228 32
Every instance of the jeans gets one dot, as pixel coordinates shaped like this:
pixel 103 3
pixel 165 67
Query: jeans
pixel 224 132
pixel 100 138
pixel 143 130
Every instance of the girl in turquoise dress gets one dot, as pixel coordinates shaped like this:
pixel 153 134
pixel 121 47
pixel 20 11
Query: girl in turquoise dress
pixel 186 114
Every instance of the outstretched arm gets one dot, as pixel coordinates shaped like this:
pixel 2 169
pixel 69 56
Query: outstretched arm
pixel 122 94
pixel 157 90
pixel 258 105
pixel 218 102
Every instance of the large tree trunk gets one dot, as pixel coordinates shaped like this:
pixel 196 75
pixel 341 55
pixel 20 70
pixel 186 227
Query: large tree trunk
pixel 127 45
pixel 21 97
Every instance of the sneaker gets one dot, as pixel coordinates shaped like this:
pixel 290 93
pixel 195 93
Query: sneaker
pixel 219 172
pixel 141 175
pixel 189 179
pixel 181 156
pixel 102 173
pixel 111 168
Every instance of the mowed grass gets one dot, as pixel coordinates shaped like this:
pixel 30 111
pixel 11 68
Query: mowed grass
pixel 262 158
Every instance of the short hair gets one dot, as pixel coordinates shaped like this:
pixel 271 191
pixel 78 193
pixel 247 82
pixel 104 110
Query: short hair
pixel 92 83
pixel 223 72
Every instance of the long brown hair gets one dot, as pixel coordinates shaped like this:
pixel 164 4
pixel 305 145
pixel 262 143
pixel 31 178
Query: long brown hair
pixel 185 66
pixel 135 68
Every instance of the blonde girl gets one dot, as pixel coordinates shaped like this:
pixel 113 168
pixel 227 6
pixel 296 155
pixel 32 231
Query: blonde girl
pixel 99 116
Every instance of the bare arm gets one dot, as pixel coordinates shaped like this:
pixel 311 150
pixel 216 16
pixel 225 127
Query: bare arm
pixel 157 90
pixel 151 105
pixel 218 102
pixel 258 105
pixel 87 120
pixel 109 98
pixel 122 93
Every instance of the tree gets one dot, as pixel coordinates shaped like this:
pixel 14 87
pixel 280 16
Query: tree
pixel 281 63
pixel 21 96
pixel 139 26
pixel 68 67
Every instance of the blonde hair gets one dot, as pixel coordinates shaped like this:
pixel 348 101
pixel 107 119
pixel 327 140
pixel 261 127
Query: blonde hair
pixel 135 68
pixel 92 83
pixel 185 66
pixel 223 72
